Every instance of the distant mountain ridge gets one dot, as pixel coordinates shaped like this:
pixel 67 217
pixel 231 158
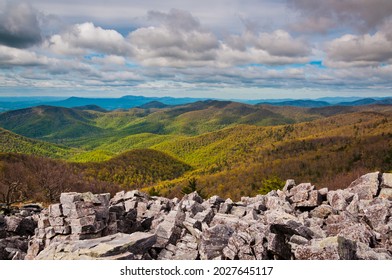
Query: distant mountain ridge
pixel 130 101
pixel 308 103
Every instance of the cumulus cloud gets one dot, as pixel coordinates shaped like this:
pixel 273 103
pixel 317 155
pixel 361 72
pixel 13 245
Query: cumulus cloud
pixel 19 25
pixel 326 14
pixel 180 41
pixel 276 48
pixel 359 50
pixel 18 57
pixel 177 41
pixel 81 38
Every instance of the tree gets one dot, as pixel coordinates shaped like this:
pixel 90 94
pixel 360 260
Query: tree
pixel 154 192
pixel 270 184
pixel 13 184
pixel 52 178
pixel 190 187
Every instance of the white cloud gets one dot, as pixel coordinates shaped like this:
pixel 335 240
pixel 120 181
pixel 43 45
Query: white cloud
pixel 359 50
pixel 81 38
pixel 16 57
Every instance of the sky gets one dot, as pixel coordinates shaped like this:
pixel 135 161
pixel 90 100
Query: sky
pixel 243 49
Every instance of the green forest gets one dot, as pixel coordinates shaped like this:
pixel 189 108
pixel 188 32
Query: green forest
pixel 220 148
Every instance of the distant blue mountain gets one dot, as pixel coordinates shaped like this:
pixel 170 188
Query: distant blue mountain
pixel 367 101
pixel 124 102
pixel 130 101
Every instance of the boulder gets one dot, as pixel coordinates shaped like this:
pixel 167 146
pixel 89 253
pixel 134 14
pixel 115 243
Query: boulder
pixel 364 252
pixel 322 211
pixel 70 197
pixel 366 186
pixel 278 247
pixel 169 231
pixel 213 241
pixel 330 248
pixel 55 210
pixel 339 200
pixel 117 246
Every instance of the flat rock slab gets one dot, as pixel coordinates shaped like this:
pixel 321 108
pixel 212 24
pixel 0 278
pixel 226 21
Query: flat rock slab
pixel 99 248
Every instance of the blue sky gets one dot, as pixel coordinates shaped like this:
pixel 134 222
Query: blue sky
pixel 223 48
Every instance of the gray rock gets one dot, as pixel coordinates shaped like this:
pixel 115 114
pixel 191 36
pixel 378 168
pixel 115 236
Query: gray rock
pixel 63 230
pixel 240 247
pixel 346 225
pixel 14 247
pixel 193 226
pixel 290 183
pixel 205 216
pixel 193 197
pixel 213 241
pixel 275 202
pixel 364 252
pixel 337 199
pixel 377 214
pixel 12 223
pixel 238 211
pixel 49 232
pixel 298 240
pixel 104 199
pixel 279 247
pixel 136 194
pixel 225 208
pixel 130 205
pixel 57 221
pixel 313 199
pixel 91 198
pixel 330 248
pixel 323 192
pixel 118 198
pixel 299 222
pixel 251 215
pixel 55 210
pixel 35 246
pixel 366 186
pixel 322 211
pixel 215 200
pixel 70 197
pixel 386 193
pixel 282 223
pixel 169 231
pixel 386 180
pixel 191 206
pixel 117 246
pixel 78 209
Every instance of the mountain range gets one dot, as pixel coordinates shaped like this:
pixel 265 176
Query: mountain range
pixel 227 148
pixel 130 101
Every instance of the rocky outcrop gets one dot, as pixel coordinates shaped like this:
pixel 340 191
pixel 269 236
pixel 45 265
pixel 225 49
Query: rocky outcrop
pixel 118 246
pixel 298 222
pixel 16 230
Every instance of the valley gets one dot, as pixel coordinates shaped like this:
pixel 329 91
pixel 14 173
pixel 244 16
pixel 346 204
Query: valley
pixel 226 148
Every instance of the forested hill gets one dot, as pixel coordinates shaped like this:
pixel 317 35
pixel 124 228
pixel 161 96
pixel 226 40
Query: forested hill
pixel 220 147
